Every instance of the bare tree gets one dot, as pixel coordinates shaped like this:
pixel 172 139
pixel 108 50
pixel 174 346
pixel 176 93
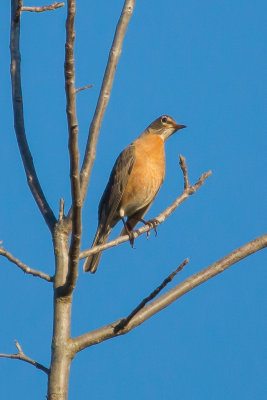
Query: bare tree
pixel 65 226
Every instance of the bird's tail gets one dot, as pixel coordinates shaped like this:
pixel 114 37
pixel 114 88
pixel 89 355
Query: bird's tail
pixel 91 263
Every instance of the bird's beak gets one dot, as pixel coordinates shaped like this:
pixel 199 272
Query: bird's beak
pixel 180 127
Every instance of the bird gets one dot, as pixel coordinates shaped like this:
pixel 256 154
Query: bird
pixel 134 182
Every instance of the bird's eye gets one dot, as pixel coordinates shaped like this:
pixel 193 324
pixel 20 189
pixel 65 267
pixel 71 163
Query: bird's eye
pixel 164 120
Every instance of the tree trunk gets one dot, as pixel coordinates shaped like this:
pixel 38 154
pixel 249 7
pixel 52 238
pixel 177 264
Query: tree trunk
pixel 61 347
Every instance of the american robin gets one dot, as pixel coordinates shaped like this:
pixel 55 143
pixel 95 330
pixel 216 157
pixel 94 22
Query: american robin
pixel 133 184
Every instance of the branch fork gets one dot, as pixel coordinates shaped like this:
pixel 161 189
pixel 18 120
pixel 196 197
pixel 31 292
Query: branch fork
pixel 25 268
pixel 188 190
pixel 125 321
pixel 22 357
pixel 124 325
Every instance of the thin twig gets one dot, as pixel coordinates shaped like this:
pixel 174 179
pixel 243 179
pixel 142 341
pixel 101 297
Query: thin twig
pixel 21 356
pixel 73 151
pixel 50 7
pixel 25 268
pixel 107 332
pixel 189 190
pixel 104 95
pixel 25 153
pixel 183 166
pixel 122 325
pixel 83 88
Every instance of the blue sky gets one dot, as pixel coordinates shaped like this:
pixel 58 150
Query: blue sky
pixel 204 63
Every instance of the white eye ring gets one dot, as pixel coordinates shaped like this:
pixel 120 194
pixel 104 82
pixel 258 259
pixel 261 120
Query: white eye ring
pixel 164 119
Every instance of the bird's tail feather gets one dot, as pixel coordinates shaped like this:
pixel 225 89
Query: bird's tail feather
pixel 91 263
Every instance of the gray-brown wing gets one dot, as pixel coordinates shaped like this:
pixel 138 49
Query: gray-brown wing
pixel 108 206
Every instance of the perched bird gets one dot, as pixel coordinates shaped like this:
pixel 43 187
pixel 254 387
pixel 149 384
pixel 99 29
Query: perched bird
pixel 133 184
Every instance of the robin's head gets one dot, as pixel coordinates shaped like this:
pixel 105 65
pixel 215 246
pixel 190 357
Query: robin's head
pixel 164 126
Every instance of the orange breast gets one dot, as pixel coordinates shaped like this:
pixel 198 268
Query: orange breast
pixel 147 174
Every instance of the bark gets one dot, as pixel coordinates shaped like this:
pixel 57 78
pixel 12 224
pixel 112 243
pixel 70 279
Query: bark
pixel 61 345
pixel 74 155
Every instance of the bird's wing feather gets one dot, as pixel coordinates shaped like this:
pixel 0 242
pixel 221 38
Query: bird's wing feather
pixel 115 187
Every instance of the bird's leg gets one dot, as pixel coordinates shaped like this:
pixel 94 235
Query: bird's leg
pixel 129 232
pixel 152 224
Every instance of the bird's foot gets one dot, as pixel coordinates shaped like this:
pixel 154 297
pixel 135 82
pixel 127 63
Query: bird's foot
pixel 152 223
pixel 131 238
pixel 129 233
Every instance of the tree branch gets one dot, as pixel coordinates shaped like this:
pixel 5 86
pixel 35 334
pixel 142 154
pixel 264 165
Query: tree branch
pixel 188 190
pixel 25 268
pixel 61 210
pixel 122 325
pixel 83 88
pixel 21 356
pixel 51 7
pixel 107 332
pixel 183 166
pixel 73 151
pixel 25 153
pixel 104 95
